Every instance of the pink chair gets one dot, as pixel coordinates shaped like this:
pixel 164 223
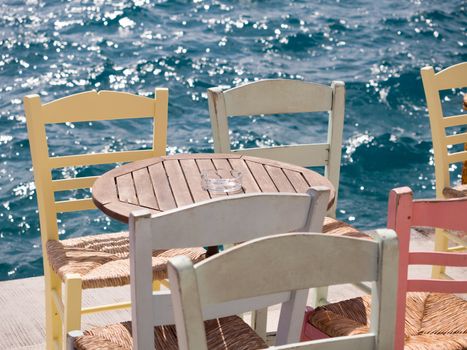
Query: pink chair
pixel 426 319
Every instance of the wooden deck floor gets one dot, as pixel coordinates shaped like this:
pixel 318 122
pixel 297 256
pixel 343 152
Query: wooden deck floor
pixel 22 304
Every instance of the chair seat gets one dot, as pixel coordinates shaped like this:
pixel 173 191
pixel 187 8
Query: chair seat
pixel 224 333
pixel 433 320
pixel 103 260
pixel 335 227
pixel 458 191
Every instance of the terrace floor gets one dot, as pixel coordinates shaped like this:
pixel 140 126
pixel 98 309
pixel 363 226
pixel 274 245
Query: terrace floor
pixel 22 303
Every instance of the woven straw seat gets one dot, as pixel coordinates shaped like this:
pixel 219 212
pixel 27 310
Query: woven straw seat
pixel 432 321
pixel 103 260
pixel 458 191
pixel 335 227
pixel 225 333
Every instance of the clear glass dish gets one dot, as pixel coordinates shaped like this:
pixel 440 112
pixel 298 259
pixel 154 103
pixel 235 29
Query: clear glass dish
pixel 221 180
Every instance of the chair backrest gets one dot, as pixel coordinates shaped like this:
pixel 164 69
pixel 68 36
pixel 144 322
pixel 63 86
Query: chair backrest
pixel 449 78
pixel 82 107
pixel 228 219
pixel 306 261
pixel 403 213
pixel 278 96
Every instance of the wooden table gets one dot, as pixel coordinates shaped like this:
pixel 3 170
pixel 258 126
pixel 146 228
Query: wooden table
pixel 165 183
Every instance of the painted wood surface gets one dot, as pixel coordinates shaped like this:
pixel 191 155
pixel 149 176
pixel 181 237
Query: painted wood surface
pixel 228 219
pixel 277 96
pixel 449 78
pixel 213 282
pixel 403 213
pixel 175 181
pixel 62 314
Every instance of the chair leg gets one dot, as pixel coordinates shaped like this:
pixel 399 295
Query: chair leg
pixel 319 296
pixel 259 319
pixel 441 244
pixel 53 324
pixel 72 305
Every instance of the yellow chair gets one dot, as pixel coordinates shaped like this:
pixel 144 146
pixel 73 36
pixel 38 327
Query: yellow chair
pixel 92 261
pixel 450 78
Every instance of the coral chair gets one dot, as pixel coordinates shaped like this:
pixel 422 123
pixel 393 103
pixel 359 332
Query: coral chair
pixel 92 261
pixel 276 96
pixel 229 219
pixel 427 317
pixel 449 78
pixel 199 288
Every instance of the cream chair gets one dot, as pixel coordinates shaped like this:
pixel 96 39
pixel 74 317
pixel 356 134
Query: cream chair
pixel 228 219
pixel 449 78
pixel 229 277
pixel 92 261
pixel 279 96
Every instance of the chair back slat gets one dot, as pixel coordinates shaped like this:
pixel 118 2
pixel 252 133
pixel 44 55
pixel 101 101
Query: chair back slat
pixel 301 155
pixel 220 279
pixel 440 213
pixel 455 120
pixel 454 77
pixel 277 96
pixel 87 106
pixel 403 213
pixel 436 286
pixel 238 219
pixel 289 271
pixel 93 106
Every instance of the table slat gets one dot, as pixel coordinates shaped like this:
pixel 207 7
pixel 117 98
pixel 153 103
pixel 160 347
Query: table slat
pixel 249 184
pixel 297 180
pixel 262 177
pixel 279 179
pixel 193 177
pixel 126 189
pixel 177 183
pixel 162 188
pixel 144 188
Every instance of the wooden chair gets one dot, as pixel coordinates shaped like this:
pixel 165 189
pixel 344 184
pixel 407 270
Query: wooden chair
pixel 276 96
pixel 426 319
pixel 449 78
pixel 229 219
pixel 304 263
pixel 92 261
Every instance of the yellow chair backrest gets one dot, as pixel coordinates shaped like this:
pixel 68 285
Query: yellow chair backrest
pixel 450 78
pixel 84 107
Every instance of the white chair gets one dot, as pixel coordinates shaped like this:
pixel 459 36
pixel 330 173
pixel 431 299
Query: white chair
pixel 230 277
pixel 280 96
pixel 230 219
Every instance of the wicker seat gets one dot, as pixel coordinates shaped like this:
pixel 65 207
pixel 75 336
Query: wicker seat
pixel 339 228
pixel 433 320
pixel 103 260
pixel 458 191
pixel 229 333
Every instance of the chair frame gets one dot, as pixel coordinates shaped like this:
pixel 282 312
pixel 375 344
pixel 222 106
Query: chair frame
pixel 404 213
pixel 211 282
pixel 228 220
pixel 280 96
pixel 449 78
pixel 63 312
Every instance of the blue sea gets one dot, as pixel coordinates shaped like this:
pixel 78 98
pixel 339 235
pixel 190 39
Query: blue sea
pixel 55 48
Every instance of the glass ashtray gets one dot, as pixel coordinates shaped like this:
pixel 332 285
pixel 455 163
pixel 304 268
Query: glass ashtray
pixel 221 180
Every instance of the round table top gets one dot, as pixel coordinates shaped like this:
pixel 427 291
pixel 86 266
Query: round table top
pixel 169 182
